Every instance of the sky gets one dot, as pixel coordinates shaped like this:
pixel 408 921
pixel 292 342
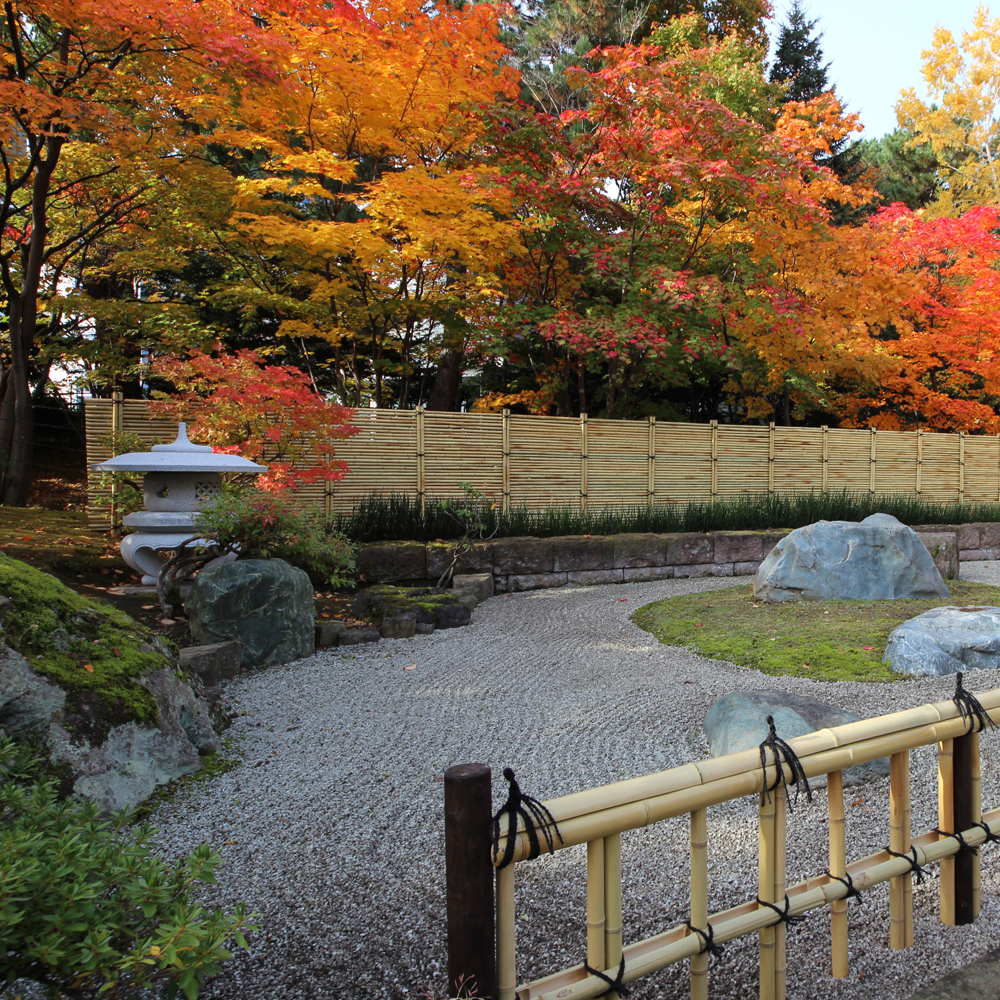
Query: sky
pixel 874 47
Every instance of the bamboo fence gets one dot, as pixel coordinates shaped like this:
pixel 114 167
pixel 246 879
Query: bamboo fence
pixel 599 816
pixel 564 461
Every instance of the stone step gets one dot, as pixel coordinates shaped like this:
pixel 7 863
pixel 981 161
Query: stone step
pixel 978 981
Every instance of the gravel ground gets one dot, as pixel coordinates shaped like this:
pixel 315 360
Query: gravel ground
pixel 332 827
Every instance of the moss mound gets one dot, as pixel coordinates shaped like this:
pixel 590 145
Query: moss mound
pixel 824 640
pixel 95 652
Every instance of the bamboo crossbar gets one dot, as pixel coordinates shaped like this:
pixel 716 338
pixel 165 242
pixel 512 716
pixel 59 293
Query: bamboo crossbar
pixel 638 802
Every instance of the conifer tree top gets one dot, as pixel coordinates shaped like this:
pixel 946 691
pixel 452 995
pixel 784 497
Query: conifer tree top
pixel 798 59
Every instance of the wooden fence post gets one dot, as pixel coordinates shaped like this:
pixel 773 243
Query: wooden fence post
pixel 920 460
pixel 651 467
pixel 871 464
pixel 117 428
pixel 583 463
pixel 714 424
pixel 965 772
pixel 469 880
pixel 421 486
pixel 826 458
pixel 506 460
pixel 770 457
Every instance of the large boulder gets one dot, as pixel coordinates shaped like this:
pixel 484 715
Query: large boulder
pixel 266 604
pixel 98 697
pixel 738 722
pixel 945 641
pixel 876 559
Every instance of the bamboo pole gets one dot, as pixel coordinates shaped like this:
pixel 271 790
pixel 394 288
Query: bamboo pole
pixel 117 428
pixel 920 459
pixel 506 924
pixel 699 899
pixel 839 961
pixel 651 471
pixel 420 456
pixel 676 944
pixel 901 887
pixel 613 904
pixel 595 904
pixel 946 821
pixel 770 457
pixel 977 817
pixel 961 466
pixel 638 802
pixel 766 878
pixel 778 893
pixel 583 462
pixel 871 464
pixel 506 460
pixel 714 424
pixel 826 458
pixel 965 795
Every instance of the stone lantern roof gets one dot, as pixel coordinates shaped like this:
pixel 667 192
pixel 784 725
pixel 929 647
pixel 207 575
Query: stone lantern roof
pixel 180 456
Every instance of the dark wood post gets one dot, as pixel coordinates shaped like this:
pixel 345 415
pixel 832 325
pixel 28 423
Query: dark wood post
pixel 468 809
pixel 965 748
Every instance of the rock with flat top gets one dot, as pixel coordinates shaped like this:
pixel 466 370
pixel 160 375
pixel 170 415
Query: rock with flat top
pixel 945 641
pixel 876 559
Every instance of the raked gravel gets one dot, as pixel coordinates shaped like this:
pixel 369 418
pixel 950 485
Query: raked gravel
pixel 332 828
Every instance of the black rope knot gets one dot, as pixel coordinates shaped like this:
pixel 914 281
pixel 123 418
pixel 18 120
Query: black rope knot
pixel 911 856
pixel 707 940
pixel 846 880
pixel 783 914
pixel 783 754
pixel 614 984
pixel 964 847
pixel 970 709
pixel 531 812
pixel 991 837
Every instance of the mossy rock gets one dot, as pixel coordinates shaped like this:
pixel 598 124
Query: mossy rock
pixel 432 606
pixel 93 651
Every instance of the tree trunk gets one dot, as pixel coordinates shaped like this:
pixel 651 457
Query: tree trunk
pixel 447 383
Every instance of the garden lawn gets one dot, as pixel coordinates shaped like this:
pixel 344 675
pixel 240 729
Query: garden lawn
pixel 823 640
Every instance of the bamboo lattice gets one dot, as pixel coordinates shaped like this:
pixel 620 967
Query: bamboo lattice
pixel 569 461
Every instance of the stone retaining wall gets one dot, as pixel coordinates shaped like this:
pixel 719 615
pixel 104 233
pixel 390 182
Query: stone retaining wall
pixel 534 563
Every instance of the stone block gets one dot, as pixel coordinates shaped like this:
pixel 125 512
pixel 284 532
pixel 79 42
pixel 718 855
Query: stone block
pixel 480 584
pixel 638 549
pixel 745 568
pixel 389 562
pixel 328 633
pixel 643 574
pixel 213 663
pixel 943 547
pixel 989 534
pixel 402 625
pixel 582 553
pixel 424 628
pixel 971 555
pixel 689 549
pixel 266 604
pixel 452 616
pixel 357 636
pixel 536 581
pixel 969 537
pixel 467 599
pixel 479 559
pixel 592 577
pixel 523 556
pixel 768 540
pixel 703 569
pixel 738 546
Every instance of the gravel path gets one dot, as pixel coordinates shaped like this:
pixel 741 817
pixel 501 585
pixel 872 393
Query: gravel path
pixel 332 827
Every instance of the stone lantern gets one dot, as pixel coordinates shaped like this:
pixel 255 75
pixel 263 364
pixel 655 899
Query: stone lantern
pixel 179 479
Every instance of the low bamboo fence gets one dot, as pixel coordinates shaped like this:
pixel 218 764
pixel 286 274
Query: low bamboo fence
pixel 598 817
pixel 568 461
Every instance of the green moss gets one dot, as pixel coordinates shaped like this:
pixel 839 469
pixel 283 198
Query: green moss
pixel 95 652
pixel 824 640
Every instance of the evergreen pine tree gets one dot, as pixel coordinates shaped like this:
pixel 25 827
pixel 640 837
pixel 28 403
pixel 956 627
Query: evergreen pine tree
pixel 799 57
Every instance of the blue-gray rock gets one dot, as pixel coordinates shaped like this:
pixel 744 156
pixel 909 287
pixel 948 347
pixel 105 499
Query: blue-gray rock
pixel 266 604
pixel 738 722
pixel 876 559
pixel 945 641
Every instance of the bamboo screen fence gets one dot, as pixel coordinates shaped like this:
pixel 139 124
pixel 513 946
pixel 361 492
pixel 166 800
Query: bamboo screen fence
pixel 542 461
pixel 599 816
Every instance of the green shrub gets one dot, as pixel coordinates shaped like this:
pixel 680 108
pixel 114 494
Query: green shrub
pixel 263 525
pixel 86 910
pixel 397 517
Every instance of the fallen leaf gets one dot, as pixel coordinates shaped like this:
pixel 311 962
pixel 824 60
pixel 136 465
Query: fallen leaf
pixel 697 624
pixel 857 802
pixel 87 667
pixel 27 538
pixel 868 647
pixel 439 779
pixel 620 599
pixel 117 653
pixel 148 607
pixel 167 621
pixel 228 842
pixel 805 666
pixel 412 666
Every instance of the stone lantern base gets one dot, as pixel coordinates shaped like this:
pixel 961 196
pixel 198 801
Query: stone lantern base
pixel 159 532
